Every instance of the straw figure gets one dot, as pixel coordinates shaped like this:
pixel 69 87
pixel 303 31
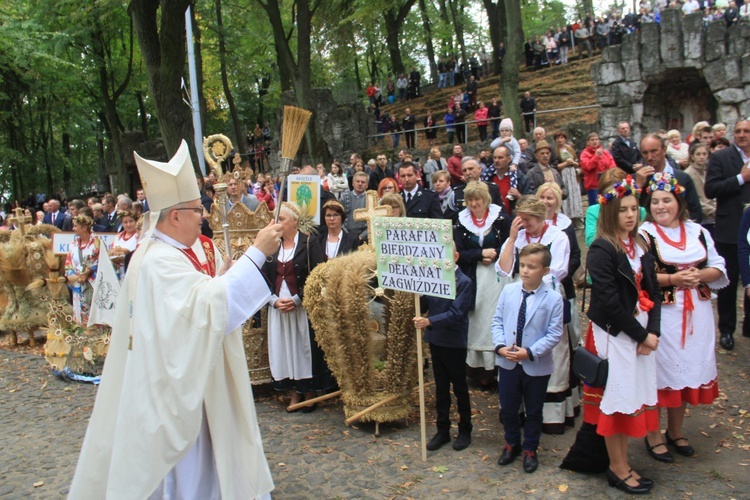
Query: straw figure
pixel 22 260
pixel 71 350
pixel 373 358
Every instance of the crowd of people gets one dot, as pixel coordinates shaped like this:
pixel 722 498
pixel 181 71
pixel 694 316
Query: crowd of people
pixel 665 222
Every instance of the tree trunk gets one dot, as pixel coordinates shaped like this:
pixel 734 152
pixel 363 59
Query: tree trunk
pixel 458 25
pixel 142 112
pixel 357 75
pixel 66 151
pixel 298 72
pixel 394 20
pixel 110 104
pixel 588 8
pixel 239 137
pixel 428 40
pixel 498 29
pixel 511 66
pixel 162 41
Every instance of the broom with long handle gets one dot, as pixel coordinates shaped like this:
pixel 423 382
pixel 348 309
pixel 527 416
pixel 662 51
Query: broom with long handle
pixel 295 123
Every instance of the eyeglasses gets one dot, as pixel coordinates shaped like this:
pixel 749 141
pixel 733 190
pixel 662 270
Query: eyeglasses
pixel 332 216
pixel 197 210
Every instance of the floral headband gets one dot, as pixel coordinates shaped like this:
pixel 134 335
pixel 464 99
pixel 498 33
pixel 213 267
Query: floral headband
pixel 664 182
pixel 621 189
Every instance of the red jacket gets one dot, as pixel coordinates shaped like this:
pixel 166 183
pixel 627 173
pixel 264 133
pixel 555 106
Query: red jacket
pixel 480 115
pixel 454 167
pixel 593 165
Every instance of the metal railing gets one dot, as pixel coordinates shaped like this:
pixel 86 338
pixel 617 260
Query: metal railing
pixel 380 135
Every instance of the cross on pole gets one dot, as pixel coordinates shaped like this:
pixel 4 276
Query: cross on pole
pixel 371 211
pixel 19 220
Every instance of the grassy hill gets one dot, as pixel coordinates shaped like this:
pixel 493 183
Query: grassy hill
pixel 557 87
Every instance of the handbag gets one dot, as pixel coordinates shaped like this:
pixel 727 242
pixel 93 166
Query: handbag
pixel 590 368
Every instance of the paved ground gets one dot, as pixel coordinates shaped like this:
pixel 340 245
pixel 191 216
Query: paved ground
pixel 315 455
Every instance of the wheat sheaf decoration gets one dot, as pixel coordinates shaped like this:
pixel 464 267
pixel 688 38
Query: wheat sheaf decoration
pixel 372 359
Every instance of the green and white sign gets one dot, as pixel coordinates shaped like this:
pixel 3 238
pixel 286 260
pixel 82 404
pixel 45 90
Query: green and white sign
pixel 415 255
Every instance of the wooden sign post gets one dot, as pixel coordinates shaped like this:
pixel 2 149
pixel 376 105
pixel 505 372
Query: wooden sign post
pixel 415 255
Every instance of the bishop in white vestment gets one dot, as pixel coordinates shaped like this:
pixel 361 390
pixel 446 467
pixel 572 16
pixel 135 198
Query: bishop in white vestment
pixel 174 416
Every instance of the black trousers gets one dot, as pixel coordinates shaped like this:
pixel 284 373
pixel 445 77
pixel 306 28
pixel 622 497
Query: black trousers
pixel 528 121
pixel 727 300
pixel 410 135
pixel 514 386
pixel 449 367
pixel 461 133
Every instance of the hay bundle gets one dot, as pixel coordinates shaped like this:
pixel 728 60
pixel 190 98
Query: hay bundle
pixel 25 311
pixel 338 295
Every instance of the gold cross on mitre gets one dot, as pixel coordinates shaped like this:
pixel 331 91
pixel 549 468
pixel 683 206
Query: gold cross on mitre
pixel 19 220
pixel 371 211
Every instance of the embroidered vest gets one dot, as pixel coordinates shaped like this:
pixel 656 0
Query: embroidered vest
pixel 668 295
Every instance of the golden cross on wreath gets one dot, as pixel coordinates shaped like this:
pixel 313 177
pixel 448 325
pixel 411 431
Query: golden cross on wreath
pixel 19 220
pixel 371 211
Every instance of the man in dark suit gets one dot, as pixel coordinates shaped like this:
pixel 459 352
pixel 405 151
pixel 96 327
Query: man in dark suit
pixel 54 217
pixel 109 219
pixel 471 171
pixel 727 180
pixel 625 151
pixel 73 207
pixel 655 158
pixel 380 172
pixel 421 203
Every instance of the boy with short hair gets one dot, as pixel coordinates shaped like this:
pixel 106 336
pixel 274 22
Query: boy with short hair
pixel 527 326
pixel 447 332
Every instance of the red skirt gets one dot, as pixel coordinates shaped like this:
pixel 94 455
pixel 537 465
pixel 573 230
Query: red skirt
pixel 703 395
pixel 635 425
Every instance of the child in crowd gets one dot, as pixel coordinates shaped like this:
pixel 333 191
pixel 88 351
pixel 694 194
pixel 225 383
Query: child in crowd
pixel 506 137
pixel 527 326
pixel 446 330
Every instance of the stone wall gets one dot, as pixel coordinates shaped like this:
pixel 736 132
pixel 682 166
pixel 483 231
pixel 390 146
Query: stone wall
pixel 674 74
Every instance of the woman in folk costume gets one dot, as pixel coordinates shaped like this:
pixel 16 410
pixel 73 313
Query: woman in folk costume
pixel 333 241
pixel 125 242
pixel 481 230
pixel 687 267
pixel 550 195
pixel 531 226
pixel 625 316
pixel 174 415
pixel 81 265
pixel 297 362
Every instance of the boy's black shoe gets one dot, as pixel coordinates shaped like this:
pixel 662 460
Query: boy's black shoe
pixel 462 441
pixel 530 462
pixel 438 440
pixel 509 454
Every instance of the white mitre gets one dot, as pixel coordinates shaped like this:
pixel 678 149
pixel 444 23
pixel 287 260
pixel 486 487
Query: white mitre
pixel 168 184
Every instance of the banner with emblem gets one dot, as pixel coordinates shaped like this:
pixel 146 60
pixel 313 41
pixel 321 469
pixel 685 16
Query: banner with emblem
pixel 106 290
pixel 304 190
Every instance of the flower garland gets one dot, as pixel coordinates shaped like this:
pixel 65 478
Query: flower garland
pixel 663 181
pixel 621 189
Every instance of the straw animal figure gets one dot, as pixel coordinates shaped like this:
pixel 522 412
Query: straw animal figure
pixel 21 260
pixel 371 359
pixel 70 348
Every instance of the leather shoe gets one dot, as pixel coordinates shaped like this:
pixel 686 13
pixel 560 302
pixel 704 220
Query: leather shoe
pixel 726 341
pixel 509 454
pixel 438 440
pixel 530 462
pixel 665 457
pixel 644 480
pixel 463 440
pixel 684 450
pixel 621 484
